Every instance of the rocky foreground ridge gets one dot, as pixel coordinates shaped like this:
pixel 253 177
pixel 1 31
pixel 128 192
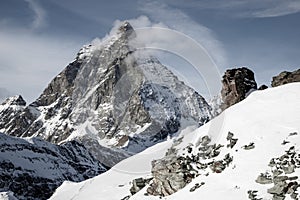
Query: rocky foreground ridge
pixel 250 151
pixel 236 85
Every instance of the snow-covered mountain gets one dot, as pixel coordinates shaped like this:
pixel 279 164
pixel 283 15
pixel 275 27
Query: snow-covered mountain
pixel 113 98
pixel 32 168
pixel 250 151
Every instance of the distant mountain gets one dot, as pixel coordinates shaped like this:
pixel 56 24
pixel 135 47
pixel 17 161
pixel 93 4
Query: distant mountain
pixel 32 168
pixel 250 151
pixel 113 98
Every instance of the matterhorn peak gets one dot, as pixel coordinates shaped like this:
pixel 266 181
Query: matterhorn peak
pixel 127 30
pixel 115 102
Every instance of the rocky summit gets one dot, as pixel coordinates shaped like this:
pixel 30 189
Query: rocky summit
pixel 236 85
pixel 113 98
pixel 286 77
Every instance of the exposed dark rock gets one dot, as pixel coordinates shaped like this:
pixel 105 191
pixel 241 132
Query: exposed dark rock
pixel 196 186
pixel 264 179
pixel 249 146
pixel 284 142
pixel 293 133
pixel 174 172
pixel 283 184
pixel 217 166
pixel 237 83
pixel 169 175
pixel 126 198
pixel 15 101
pixel 263 87
pixel 252 195
pixel 138 184
pixel 232 141
pixel 286 77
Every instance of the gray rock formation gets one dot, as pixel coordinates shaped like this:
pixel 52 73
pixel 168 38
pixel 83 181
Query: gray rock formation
pixel 170 175
pixel 112 98
pixel 282 177
pixel 173 172
pixel 237 83
pixel 286 77
pixel 33 168
pixel 262 87
pixel 138 184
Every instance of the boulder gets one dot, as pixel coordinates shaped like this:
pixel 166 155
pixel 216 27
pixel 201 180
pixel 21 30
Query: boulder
pixel 137 185
pixel 263 87
pixel 237 84
pixel 170 174
pixel 286 77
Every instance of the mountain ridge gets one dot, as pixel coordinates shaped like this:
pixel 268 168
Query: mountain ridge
pixel 32 168
pixel 113 98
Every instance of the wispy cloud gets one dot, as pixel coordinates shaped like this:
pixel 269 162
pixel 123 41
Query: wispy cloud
pixel 178 20
pixel 245 8
pixel 281 9
pixel 39 14
pixel 189 49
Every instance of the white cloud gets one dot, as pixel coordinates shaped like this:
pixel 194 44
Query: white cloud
pixel 39 14
pixel 187 49
pixel 200 51
pixel 280 9
pixel 178 20
pixel 245 8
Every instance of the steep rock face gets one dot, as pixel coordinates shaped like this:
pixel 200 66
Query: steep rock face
pixel 113 98
pixel 237 83
pixel 16 118
pixel 286 77
pixel 33 168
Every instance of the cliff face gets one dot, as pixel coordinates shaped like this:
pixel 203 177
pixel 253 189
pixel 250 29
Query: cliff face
pixel 114 99
pixel 286 77
pixel 237 83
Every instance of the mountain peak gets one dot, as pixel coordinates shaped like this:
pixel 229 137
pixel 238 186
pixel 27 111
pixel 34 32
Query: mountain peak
pixel 117 103
pixel 127 29
pixel 16 100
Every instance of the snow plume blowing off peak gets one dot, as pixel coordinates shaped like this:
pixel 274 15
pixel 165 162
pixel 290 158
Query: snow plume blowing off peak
pixel 114 98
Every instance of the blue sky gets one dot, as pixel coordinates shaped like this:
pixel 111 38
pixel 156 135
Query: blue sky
pixel 38 38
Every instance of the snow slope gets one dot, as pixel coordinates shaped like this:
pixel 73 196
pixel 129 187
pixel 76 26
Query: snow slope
pixel 266 118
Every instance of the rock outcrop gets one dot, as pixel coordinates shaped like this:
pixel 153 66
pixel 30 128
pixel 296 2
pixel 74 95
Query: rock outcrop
pixel 283 178
pixel 170 175
pixel 286 77
pixel 112 98
pixel 173 172
pixel 262 87
pixel 237 84
pixel 33 168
